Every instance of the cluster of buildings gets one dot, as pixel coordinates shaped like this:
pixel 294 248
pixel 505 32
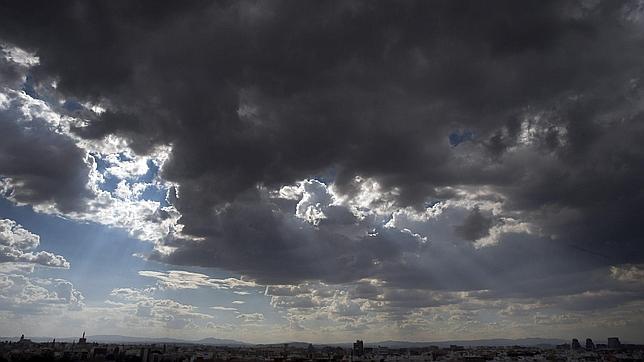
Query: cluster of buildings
pixel 613 344
pixel 613 350
pixel 26 350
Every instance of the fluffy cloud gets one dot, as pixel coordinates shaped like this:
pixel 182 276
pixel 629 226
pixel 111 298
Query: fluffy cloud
pixel 260 239
pixel 47 167
pixel 141 308
pixel 628 273
pixel 17 245
pixel 22 294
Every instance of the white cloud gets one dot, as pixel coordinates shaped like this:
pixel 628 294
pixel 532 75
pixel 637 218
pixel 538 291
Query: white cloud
pixel 132 294
pixel 132 167
pixel 19 56
pixel 140 307
pixel 219 307
pixel 314 200
pixel 123 207
pixel 27 295
pixel 251 317
pixel 629 273
pixel 178 279
pixel 17 245
pixel 505 225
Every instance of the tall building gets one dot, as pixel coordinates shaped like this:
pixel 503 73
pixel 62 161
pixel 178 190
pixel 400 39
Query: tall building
pixel 575 344
pixel 613 342
pixel 145 354
pixel 24 340
pixel 358 348
pixel 589 344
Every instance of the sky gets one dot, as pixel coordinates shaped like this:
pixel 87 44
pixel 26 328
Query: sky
pixel 272 171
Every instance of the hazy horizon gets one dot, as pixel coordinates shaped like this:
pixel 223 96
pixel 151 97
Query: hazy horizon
pixel 122 338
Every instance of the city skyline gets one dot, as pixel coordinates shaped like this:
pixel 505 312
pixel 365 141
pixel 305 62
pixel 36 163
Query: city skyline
pixel 274 171
pixel 171 350
pixel 571 343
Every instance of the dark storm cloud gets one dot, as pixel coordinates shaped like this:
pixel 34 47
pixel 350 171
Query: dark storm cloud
pixel 370 87
pixel 256 238
pixel 475 226
pixel 267 93
pixel 11 74
pixel 38 166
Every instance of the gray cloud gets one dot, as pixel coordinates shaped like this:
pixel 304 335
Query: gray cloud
pixel 37 165
pixel 475 226
pixel 258 239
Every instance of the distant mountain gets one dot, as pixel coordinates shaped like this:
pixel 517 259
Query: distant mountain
pixel 131 340
pixel 497 342
pixel 291 344
pixel 221 342
pixel 116 339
